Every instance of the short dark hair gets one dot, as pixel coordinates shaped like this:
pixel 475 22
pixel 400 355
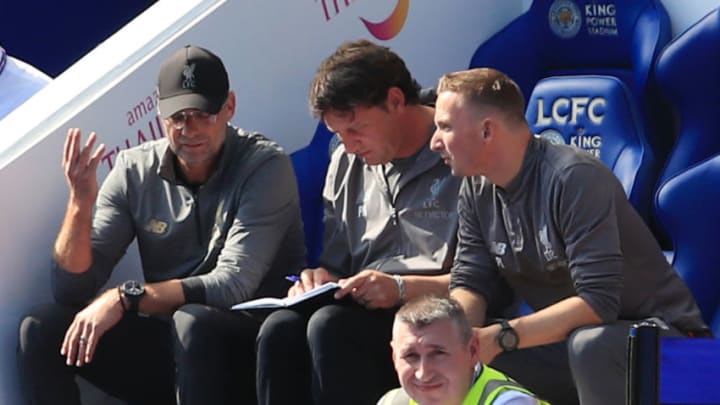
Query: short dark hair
pixel 487 87
pixel 359 74
pixel 427 310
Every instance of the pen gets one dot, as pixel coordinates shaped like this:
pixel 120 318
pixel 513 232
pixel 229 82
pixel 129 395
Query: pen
pixel 292 278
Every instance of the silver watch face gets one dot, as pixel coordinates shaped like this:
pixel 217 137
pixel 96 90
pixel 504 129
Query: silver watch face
pixel 133 288
pixel 508 340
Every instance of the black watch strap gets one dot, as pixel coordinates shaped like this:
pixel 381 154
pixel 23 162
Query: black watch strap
pixel 133 303
pixel 507 338
pixel 132 291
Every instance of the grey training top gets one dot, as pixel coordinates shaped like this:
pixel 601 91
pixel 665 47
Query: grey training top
pixel 229 240
pixel 400 217
pixel 563 228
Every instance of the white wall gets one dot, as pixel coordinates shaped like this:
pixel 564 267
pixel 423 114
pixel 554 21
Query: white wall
pixel 683 13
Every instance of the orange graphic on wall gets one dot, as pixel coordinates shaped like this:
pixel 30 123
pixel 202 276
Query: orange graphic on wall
pixel 391 26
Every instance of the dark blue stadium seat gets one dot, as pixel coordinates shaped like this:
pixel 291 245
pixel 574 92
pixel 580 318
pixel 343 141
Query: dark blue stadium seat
pixel 311 164
pixel 687 208
pixel 671 370
pixel 686 205
pixel 689 191
pixel 621 39
pixel 689 370
pixel 687 73
pixel 597 114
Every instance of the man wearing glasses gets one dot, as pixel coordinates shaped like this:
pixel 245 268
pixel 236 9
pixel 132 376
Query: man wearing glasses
pixel 216 214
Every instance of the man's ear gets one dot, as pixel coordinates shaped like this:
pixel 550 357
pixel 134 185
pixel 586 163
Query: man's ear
pixel 395 99
pixel 482 130
pixel 486 128
pixel 474 348
pixel 230 105
pixel 392 351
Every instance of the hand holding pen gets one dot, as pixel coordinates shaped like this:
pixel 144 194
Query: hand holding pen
pixel 308 279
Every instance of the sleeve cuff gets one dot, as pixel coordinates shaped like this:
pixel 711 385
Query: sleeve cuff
pixel 70 288
pixel 194 290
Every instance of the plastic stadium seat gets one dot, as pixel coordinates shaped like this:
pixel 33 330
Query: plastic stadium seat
pixel 311 165
pixel 693 89
pixel 715 324
pixel 689 193
pixel 597 114
pixel 687 208
pixel 671 371
pixel 685 371
pixel 567 38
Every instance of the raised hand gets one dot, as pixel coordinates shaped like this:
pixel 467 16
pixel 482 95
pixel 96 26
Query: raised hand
pixel 80 166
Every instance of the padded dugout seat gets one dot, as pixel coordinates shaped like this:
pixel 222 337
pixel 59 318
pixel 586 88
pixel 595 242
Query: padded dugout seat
pixel 596 114
pixel 685 371
pixel 615 42
pixel 688 74
pixel 688 197
pixel 687 207
pixel 311 163
pixel 671 370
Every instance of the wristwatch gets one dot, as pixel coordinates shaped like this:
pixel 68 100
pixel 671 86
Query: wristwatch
pixel 507 337
pixel 132 291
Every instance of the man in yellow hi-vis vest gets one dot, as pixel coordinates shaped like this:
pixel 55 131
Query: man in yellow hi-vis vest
pixel 436 358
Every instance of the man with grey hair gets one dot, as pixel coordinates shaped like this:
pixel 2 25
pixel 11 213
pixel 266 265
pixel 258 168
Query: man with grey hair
pixel 210 232
pixel 436 358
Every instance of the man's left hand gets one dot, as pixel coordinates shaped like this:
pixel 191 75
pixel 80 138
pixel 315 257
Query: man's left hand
pixel 89 325
pixel 371 288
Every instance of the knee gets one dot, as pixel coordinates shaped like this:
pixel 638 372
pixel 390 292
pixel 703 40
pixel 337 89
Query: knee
pixel 592 347
pixel 327 324
pixel 192 322
pixel 283 328
pixel 43 327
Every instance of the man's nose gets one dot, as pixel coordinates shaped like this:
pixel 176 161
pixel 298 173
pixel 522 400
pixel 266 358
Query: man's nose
pixel 423 372
pixel 191 127
pixel 436 142
pixel 352 145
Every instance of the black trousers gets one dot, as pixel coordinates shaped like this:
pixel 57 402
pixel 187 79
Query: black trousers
pixel 133 361
pixel 322 356
pixel 215 355
pixel 136 360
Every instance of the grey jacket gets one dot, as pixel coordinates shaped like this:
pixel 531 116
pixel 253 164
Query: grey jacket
pixel 400 217
pixel 228 240
pixel 563 228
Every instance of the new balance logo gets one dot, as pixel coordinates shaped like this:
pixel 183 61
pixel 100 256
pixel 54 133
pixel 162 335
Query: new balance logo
pixel 156 226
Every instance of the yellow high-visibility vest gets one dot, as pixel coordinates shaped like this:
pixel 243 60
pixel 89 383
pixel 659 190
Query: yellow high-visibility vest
pixel 488 385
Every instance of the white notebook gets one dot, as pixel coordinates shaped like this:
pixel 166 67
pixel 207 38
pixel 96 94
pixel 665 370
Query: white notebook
pixel 272 302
